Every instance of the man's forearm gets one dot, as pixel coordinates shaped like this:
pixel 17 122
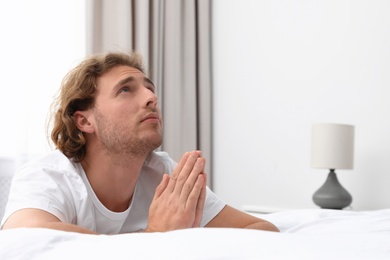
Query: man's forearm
pixel 67 227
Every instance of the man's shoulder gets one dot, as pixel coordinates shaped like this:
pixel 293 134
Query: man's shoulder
pixel 54 160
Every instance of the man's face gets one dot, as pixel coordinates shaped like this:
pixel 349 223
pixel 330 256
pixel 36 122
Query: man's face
pixel 126 116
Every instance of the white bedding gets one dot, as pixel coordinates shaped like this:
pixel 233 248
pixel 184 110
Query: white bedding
pixel 306 234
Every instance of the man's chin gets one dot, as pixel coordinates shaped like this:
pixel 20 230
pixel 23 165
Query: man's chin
pixel 155 140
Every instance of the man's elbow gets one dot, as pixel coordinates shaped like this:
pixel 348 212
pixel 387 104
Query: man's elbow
pixel 263 225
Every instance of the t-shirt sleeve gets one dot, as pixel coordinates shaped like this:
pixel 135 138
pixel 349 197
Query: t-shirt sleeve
pixel 35 186
pixel 213 205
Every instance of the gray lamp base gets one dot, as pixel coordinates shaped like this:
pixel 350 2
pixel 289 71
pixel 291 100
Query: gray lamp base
pixel 331 195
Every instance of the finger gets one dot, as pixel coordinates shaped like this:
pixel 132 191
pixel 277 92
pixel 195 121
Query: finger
pixel 201 202
pixel 192 201
pixel 161 187
pixel 176 171
pixel 180 165
pixel 184 186
pixel 187 169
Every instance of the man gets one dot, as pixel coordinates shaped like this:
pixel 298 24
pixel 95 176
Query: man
pixel 105 177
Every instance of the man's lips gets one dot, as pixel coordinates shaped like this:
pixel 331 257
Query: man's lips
pixel 151 117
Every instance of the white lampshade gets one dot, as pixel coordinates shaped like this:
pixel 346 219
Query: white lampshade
pixel 332 146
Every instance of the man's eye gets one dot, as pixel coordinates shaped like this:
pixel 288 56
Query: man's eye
pixel 124 89
pixel 151 88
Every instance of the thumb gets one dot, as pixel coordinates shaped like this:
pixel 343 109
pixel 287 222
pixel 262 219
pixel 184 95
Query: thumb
pixel 162 186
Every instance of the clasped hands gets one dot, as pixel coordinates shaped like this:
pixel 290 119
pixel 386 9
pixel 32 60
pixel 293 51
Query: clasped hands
pixel 179 199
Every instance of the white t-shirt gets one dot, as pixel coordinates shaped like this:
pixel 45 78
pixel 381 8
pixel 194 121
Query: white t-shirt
pixel 58 185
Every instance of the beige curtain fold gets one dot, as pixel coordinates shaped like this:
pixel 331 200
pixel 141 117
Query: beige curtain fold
pixel 174 38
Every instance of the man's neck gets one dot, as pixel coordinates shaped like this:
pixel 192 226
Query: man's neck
pixel 113 177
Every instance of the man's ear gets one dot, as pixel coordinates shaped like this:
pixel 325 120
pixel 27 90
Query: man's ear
pixel 82 119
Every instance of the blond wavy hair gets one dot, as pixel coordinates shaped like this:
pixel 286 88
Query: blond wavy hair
pixel 77 93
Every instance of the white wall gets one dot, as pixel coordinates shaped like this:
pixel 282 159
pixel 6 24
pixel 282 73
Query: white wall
pixel 41 41
pixel 279 67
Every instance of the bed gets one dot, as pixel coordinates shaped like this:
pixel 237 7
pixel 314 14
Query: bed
pixel 305 234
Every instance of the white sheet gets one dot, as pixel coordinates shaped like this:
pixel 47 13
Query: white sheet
pixel 306 234
pixel 321 221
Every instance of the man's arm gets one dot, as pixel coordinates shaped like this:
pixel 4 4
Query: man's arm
pixel 40 219
pixel 231 217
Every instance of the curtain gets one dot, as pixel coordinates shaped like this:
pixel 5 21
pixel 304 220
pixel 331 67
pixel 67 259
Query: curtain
pixel 174 38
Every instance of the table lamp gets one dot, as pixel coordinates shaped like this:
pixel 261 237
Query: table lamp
pixel 332 148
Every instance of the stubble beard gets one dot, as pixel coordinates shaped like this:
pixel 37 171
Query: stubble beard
pixel 117 139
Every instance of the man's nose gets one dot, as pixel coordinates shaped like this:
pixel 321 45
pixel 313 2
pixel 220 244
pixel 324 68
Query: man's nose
pixel 151 98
